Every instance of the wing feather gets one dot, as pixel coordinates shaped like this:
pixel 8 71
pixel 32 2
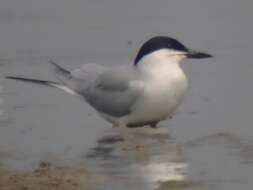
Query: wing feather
pixel 107 90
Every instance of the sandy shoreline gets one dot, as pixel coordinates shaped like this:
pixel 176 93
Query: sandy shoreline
pixel 45 178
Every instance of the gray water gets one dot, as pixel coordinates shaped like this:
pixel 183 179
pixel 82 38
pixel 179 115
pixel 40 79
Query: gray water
pixel 207 145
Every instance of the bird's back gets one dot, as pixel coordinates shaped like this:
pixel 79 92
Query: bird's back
pixel 106 88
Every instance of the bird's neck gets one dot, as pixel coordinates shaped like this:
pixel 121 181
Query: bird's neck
pixel 160 65
pixel 163 76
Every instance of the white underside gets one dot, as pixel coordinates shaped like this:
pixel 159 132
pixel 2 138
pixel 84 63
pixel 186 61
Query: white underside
pixel 161 91
pixel 151 97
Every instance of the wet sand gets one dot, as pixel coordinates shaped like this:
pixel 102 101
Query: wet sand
pixel 45 178
pixel 153 161
pixel 50 140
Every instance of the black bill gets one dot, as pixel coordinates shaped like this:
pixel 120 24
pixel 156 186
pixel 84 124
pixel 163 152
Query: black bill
pixel 198 55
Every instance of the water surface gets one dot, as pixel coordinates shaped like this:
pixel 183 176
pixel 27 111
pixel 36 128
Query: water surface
pixel 207 145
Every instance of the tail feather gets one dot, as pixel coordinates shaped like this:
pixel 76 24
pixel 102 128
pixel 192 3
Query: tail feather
pixel 44 83
pixel 62 74
pixel 41 82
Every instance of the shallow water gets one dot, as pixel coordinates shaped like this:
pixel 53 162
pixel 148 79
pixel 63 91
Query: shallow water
pixel 207 145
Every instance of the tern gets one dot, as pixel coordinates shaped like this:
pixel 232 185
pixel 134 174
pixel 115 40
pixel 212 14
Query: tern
pixel 143 93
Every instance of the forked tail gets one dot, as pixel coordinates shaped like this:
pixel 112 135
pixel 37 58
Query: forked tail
pixel 62 74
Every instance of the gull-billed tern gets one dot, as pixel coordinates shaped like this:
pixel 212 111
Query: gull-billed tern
pixel 143 93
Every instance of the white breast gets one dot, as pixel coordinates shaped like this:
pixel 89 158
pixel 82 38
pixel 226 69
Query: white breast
pixel 163 89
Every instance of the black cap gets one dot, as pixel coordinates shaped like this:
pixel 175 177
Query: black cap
pixel 163 42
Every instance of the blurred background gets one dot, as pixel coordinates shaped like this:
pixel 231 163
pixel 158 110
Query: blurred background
pixel 208 145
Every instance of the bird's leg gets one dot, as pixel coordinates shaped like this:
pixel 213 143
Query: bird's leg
pixel 118 124
pixel 122 129
pixel 153 124
pixel 130 141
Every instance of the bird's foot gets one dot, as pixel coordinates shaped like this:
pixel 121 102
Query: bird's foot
pixel 153 125
pixel 118 124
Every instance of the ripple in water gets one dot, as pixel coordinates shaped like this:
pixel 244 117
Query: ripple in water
pixel 137 159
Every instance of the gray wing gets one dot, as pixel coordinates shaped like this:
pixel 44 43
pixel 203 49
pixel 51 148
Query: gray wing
pixel 107 89
pixel 87 75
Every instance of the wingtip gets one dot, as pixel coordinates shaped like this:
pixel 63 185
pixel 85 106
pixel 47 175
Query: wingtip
pixel 58 67
pixel 52 62
pixel 10 77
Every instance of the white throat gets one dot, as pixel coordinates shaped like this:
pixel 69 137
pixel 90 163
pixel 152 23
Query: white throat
pixel 162 88
pixel 162 62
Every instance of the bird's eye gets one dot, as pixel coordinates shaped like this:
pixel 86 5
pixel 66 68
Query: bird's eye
pixel 169 46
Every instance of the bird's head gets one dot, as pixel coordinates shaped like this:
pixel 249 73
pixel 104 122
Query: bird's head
pixel 168 48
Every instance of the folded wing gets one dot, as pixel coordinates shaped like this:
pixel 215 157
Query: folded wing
pixel 108 90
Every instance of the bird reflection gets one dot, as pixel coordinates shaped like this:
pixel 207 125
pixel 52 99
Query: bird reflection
pixel 157 162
